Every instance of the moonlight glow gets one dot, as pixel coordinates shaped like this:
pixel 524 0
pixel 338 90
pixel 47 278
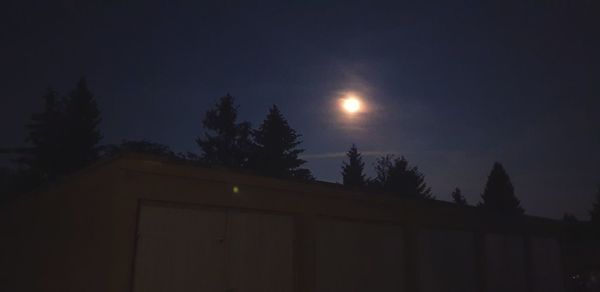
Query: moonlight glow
pixel 351 104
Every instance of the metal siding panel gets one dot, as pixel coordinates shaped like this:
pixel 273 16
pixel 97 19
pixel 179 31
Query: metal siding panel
pixel 505 263
pixel 447 261
pixel 357 256
pixel 547 274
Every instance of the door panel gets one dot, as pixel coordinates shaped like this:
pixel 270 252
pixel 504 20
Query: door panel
pixel 180 250
pixel 261 252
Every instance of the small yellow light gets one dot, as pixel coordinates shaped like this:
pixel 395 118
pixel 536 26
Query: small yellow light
pixel 236 189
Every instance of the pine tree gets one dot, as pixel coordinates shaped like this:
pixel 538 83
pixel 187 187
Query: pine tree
pixel 47 139
pixel 394 176
pixel 276 148
pixel 63 138
pixel 226 142
pixel 458 198
pixel 352 171
pixel 499 194
pixel 82 118
pixel 595 212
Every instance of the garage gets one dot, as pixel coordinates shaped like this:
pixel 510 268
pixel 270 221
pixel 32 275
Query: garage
pixel 140 223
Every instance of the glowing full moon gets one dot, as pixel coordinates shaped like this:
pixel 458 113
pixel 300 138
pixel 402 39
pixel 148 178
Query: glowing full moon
pixel 351 104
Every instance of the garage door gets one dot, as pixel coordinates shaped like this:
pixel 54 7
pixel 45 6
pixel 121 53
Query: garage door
pixel 213 250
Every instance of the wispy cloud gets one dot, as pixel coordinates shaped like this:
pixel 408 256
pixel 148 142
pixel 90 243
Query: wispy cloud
pixel 329 155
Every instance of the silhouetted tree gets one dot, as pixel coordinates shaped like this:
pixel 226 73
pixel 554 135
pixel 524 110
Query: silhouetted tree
pixel 226 142
pixel 81 121
pixel 595 212
pixel 303 174
pixel 394 176
pixel 499 194
pixel 64 136
pixel 63 139
pixel 458 198
pixel 139 146
pixel 46 134
pixel 276 148
pixel 352 171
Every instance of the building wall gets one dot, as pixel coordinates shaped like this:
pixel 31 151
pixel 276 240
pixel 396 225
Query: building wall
pixel 447 261
pixel 107 229
pixel 506 260
pixel 63 238
pixel 359 256
pixel 546 261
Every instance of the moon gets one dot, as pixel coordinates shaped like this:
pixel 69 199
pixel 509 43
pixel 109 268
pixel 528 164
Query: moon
pixel 351 104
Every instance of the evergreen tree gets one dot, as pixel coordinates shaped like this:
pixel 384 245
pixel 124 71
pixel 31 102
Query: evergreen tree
pixel 394 176
pixel 458 198
pixel 46 136
pixel 82 135
pixel 352 171
pixel 226 142
pixel 595 212
pixel 64 136
pixel 276 148
pixel 499 194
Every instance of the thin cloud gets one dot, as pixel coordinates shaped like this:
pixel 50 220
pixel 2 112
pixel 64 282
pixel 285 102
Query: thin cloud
pixel 330 155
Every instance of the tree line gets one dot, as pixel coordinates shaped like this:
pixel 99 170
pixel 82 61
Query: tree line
pixel 396 177
pixel 65 137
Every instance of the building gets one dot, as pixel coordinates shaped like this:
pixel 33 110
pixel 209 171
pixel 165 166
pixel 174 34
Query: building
pixel 142 223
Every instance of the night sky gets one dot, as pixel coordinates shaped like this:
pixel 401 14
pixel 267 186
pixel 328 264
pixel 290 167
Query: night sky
pixel 451 87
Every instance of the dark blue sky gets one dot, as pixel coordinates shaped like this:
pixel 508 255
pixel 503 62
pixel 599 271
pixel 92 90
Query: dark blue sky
pixel 453 87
